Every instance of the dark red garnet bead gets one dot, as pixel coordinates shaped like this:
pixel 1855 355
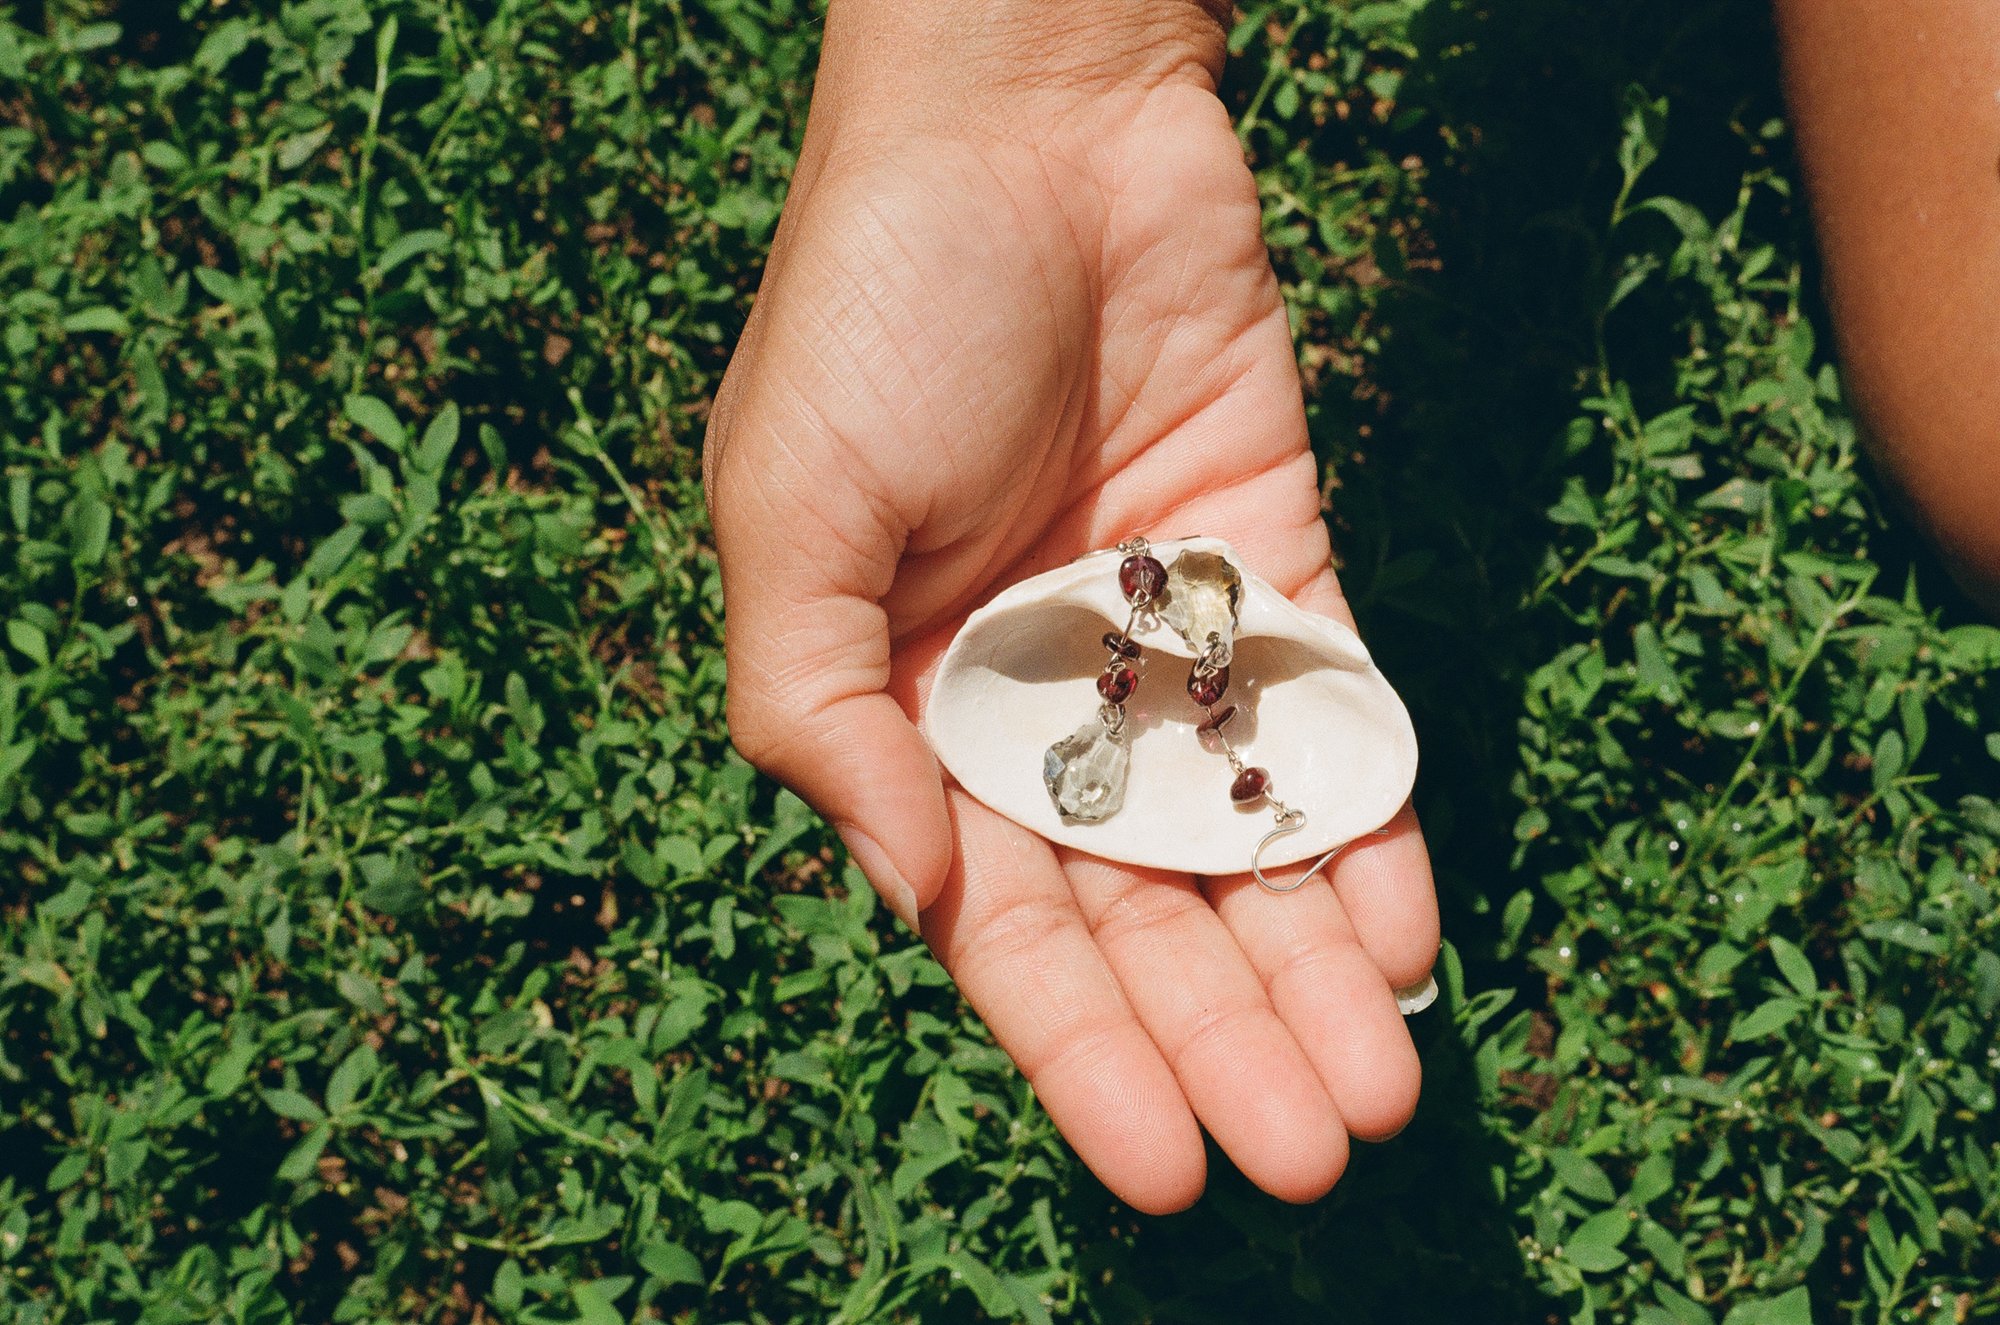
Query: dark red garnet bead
pixel 1249 785
pixel 1117 686
pixel 1215 721
pixel 1205 690
pixel 1118 642
pixel 1141 578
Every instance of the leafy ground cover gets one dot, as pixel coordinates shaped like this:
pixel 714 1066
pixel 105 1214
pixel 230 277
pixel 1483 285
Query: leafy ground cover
pixel 390 934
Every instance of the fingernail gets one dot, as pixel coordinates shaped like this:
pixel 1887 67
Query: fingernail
pixel 888 881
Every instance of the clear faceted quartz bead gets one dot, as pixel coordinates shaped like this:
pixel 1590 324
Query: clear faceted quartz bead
pixel 1200 603
pixel 1085 772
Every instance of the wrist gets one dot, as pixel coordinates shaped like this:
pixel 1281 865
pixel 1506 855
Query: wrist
pixel 941 58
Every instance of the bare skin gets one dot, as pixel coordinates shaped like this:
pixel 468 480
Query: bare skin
pixel 1019 308
pixel 1897 110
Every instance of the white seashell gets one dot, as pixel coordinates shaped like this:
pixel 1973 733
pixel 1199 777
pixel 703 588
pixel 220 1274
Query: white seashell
pixel 1311 709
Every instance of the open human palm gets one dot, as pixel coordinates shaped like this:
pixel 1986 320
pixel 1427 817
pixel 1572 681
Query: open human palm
pixel 979 353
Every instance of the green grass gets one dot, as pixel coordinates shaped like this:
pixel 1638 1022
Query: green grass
pixel 389 933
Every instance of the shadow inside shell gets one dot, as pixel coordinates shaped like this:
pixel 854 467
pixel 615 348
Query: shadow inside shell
pixel 1063 646
pixel 1058 650
pixel 1042 644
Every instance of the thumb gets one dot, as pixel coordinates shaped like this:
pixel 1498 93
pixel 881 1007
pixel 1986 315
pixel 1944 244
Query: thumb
pixel 806 556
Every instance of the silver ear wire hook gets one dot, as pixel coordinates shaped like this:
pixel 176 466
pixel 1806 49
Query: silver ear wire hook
pixel 1291 821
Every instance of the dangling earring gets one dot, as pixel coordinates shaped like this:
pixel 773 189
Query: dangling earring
pixel 1086 771
pixel 1202 593
pixel 1199 596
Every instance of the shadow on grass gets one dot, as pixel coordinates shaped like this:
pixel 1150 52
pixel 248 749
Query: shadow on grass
pixel 1414 1233
pixel 1481 365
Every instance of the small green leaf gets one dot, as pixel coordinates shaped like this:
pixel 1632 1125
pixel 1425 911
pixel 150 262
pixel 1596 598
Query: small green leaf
pixel 508 1283
pixel 90 531
pixel 596 1303
pixel 1794 966
pixel 69 1170
pixel 362 992
pixel 1583 1176
pixel 393 885
pixel 408 246
pixel 299 1163
pixel 1904 934
pixel 1767 1018
pixel 1793 1308
pixel 333 552
pixel 100 318
pixel 911 1173
pixel 1645 132
pixel 229 1070
pixel 1652 1180
pixel 1593 1247
pixel 502 1140
pixel 299 148
pixel 439 440
pixel 29 640
pixel 229 39
pixel 985 1285
pixel 1661 1245
pixel 367 508
pixel 1656 673
pixel 379 420
pixel 1975 646
pixel 92 36
pixel 164 157
pixel 1986 982
pixel 355 1071
pixel 670 1263
pixel 68 904
pixel 291 1104
pixel 1888 760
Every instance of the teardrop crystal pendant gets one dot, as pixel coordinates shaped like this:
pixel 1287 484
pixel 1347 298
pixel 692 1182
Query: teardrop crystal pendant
pixel 1085 772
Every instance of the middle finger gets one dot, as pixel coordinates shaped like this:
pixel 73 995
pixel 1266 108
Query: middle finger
pixel 1199 998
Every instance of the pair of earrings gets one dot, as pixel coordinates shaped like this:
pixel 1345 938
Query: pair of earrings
pixel 1197 597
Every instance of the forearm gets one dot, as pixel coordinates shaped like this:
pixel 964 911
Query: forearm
pixel 1898 122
